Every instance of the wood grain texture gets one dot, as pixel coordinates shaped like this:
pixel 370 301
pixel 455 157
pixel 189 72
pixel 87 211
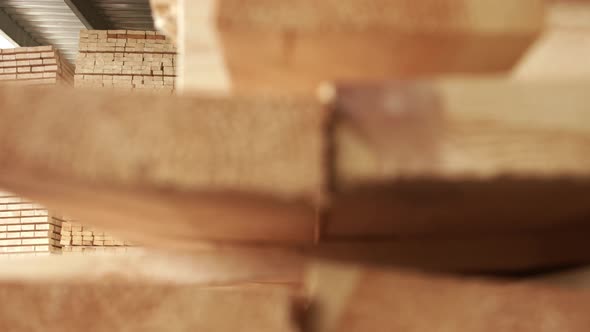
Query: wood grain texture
pixel 119 160
pixel 155 291
pixel 353 299
pixel 209 266
pixel 460 155
pixel 137 306
pixel 246 46
pixel 456 163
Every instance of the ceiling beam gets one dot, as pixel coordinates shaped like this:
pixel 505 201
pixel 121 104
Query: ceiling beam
pixel 87 14
pixel 14 32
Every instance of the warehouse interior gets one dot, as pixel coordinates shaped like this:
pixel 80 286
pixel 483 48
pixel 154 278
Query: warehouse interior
pixel 296 166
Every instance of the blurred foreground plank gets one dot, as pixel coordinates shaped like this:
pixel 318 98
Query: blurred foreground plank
pixel 455 163
pixel 459 156
pixel 153 168
pixel 353 299
pixel 270 45
pixel 211 290
pixel 563 49
pixel 209 266
pixel 139 306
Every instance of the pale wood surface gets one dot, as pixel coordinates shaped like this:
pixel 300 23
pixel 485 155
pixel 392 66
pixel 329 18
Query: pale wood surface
pixel 210 265
pixel 142 161
pixel 460 155
pixel 404 171
pixel 235 46
pixel 562 51
pixel 462 128
pixel 213 289
pixel 139 306
pixel 353 299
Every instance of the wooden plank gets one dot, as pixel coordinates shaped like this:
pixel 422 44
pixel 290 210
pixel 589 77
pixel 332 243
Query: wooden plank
pixel 167 170
pixel 246 46
pixel 136 306
pixel 209 266
pixel 153 291
pixel 460 156
pixel 353 299
pixel 104 186
pixel 563 49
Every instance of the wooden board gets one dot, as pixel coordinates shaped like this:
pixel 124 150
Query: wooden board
pixel 459 156
pixel 136 163
pixel 353 299
pixel 562 51
pixel 398 178
pixel 140 306
pixel 236 46
pixel 155 291
pixel 209 266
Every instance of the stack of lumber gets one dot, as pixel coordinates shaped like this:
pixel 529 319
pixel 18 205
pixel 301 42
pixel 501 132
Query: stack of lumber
pixel 382 171
pixel 41 65
pixel 26 228
pixel 126 59
pixel 77 238
pixel 400 172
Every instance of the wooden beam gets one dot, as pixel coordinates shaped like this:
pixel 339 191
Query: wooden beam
pixel 88 15
pixel 459 156
pixel 209 266
pixel 270 45
pixel 140 306
pixel 154 291
pixel 562 50
pixel 157 169
pixel 247 170
pixel 355 299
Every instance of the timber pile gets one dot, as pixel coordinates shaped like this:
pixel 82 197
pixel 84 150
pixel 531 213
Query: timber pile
pixel 26 229
pixel 487 142
pixel 80 239
pixel 389 167
pixel 41 65
pixel 126 59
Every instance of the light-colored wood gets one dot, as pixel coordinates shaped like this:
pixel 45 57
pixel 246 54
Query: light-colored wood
pixel 140 162
pixel 266 195
pixel 139 306
pixel 563 50
pixel 211 265
pixel 165 14
pixel 268 45
pixel 460 155
pixel 353 299
pixel 152 291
